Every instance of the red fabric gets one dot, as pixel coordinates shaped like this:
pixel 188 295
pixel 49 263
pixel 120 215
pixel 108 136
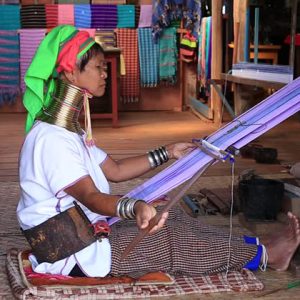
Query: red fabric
pixel 67 57
pixel 297 39
pixel 51 15
pixel 127 40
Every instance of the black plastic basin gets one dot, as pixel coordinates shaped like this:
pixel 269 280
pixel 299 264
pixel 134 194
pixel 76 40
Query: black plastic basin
pixel 260 199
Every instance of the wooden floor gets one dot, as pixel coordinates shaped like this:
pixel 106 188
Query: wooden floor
pixel 141 131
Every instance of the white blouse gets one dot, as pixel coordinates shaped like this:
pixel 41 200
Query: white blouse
pixel 52 159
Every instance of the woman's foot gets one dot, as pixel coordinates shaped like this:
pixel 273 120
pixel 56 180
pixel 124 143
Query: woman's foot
pixel 280 249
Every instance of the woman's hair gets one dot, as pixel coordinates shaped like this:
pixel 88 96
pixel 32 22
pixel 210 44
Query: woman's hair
pixel 92 52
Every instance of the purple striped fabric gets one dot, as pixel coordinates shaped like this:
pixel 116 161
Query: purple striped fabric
pixel 104 16
pixel 29 41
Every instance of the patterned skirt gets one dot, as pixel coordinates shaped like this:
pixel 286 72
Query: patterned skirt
pixel 184 246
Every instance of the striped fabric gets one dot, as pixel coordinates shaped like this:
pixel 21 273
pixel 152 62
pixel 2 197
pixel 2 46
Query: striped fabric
pixel 29 41
pixel 51 15
pixel 73 1
pixel 82 16
pixel 126 16
pixel 33 16
pixel 108 2
pixel 191 249
pixel 137 15
pixel 106 38
pixel 168 56
pixel 204 51
pixel 104 16
pixel 65 14
pixel 127 40
pixel 145 16
pixel 148 58
pixel 33 2
pixel 9 66
pixel 10 1
pixel 10 17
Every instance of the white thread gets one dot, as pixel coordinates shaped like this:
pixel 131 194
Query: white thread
pixel 231 216
pixel 264 259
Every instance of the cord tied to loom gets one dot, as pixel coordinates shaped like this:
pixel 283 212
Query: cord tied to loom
pixel 222 155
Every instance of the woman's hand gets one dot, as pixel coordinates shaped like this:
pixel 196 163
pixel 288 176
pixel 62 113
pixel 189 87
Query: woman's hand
pixel 144 213
pixel 179 149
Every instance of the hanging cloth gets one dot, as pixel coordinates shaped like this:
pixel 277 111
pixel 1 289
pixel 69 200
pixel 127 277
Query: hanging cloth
pixel 168 56
pixel 127 41
pixel 34 2
pixel 106 38
pixel 148 58
pixel 145 16
pixel 204 52
pixel 72 1
pixel 65 14
pixel 108 2
pixel 10 17
pixel 9 66
pixel 192 16
pixel 137 13
pixel 33 16
pixel 51 15
pixel 104 16
pixel 126 16
pixel 29 42
pixel 10 2
pixel 82 16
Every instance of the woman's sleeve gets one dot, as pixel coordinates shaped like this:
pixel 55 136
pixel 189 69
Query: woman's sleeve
pixel 62 162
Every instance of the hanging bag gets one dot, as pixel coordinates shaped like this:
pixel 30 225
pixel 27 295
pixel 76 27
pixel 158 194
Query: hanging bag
pixel 188 47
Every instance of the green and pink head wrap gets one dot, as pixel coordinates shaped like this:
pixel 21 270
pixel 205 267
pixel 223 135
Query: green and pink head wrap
pixel 58 52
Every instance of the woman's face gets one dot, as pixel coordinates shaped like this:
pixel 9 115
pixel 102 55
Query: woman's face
pixel 93 77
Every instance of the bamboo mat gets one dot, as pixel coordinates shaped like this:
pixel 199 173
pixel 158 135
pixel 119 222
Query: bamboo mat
pixel 11 236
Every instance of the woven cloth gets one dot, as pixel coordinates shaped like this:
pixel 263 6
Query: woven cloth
pixel 29 41
pixel 10 1
pixel 137 9
pixel 127 40
pixel 82 16
pixel 72 1
pixel 9 66
pixel 126 16
pixel 104 16
pixel 51 15
pixel 106 38
pixel 65 14
pixel 145 16
pixel 244 281
pixel 33 2
pixel 108 1
pixel 148 58
pixel 204 51
pixel 33 16
pixel 10 17
pixel 168 56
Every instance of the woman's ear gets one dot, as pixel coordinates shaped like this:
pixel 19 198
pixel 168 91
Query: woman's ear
pixel 70 76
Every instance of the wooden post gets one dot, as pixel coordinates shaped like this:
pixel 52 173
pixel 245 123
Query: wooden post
pixel 240 8
pixel 216 64
pixel 293 33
